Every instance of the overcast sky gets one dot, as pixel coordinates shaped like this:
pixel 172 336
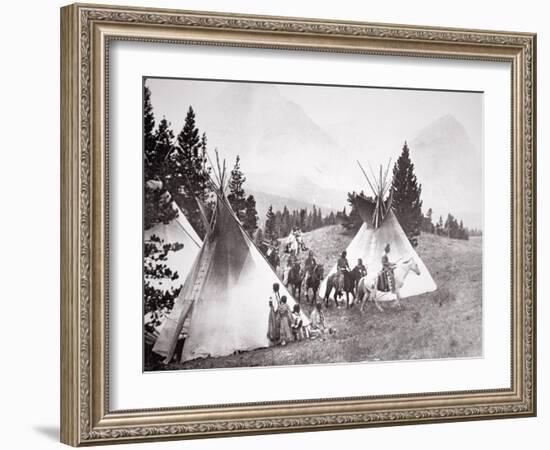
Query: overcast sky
pixel 369 124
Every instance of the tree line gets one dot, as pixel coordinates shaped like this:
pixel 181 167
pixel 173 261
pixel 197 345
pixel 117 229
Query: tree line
pixel 279 223
pixel 452 227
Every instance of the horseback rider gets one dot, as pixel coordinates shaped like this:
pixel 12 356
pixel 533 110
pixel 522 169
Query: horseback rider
pixel 310 263
pixel 342 263
pixel 292 259
pixel 299 239
pixel 387 270
pixel 309 266
pixel 274 258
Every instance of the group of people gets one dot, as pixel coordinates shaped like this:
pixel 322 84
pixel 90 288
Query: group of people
pixel 291 324
pixel 286 325
pixel 386 280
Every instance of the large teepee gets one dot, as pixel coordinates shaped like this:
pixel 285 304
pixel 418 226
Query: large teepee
pixel 224 302
pixel 380 227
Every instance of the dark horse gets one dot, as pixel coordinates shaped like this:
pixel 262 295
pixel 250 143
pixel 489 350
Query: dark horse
pixel 295 279
pixel 314 281
pixel 340 282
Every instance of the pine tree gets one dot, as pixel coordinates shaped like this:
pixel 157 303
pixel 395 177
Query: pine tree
pixel 236 195
pixel 270 232
pixel 354 221
pixel 462 232
pixel 148 136
pixel 303 219
pixel 250 222
pixel 189 173
pixel 319 219
pixel 406 196
pixel 427 224
pixel 158 145
pixel 155 253
pixel 285 222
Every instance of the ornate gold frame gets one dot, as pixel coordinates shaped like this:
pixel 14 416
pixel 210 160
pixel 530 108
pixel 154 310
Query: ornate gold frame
pixel 86 31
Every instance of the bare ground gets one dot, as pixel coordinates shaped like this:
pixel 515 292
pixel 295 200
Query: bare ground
pixel 444 324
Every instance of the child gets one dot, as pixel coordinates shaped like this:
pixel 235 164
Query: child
pixel 297 323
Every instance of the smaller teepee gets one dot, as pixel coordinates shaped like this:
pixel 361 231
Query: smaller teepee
pixel 179 231
pixel 176 231
pixel 380 227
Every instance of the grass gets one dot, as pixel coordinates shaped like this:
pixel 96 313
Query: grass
pixel 446 323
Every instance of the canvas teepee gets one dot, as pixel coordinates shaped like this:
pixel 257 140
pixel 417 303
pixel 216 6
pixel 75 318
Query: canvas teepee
pixel 224 302
pixel 380 227
pixel 180 231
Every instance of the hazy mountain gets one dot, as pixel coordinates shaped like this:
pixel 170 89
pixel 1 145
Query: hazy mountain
pixel 269 132
pixel 450 168
pixel 286 155
pixel 299 188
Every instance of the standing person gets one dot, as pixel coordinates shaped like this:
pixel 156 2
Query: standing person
pixel 387 269
pixel 360 269
pixel 285 320
pixel 273 326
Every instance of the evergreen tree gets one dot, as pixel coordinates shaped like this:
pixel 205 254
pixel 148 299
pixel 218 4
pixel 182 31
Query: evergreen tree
pixel 286 225
pixel 270 233
pixel 354 221
pixel 155 253
pixel 427 224
pixel 439 226
pixel 406 196
pixel 189 174
pixel 462 232
pixel 250 222
pixel 236 195
pixel 148 135
pixel 278 223
pixel 158 144
pixel 319 219
pixel 303 219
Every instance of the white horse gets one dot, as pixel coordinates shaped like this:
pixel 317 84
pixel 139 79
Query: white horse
pixel 367 286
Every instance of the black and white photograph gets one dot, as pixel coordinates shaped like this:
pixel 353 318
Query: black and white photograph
pixel 294 224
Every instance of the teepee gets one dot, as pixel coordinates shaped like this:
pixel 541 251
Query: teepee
pixel 380 227
pixel 179 231
pixel 224 303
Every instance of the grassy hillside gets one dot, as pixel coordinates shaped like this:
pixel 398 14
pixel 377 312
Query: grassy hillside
pixel 327 243
pixel 446 323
